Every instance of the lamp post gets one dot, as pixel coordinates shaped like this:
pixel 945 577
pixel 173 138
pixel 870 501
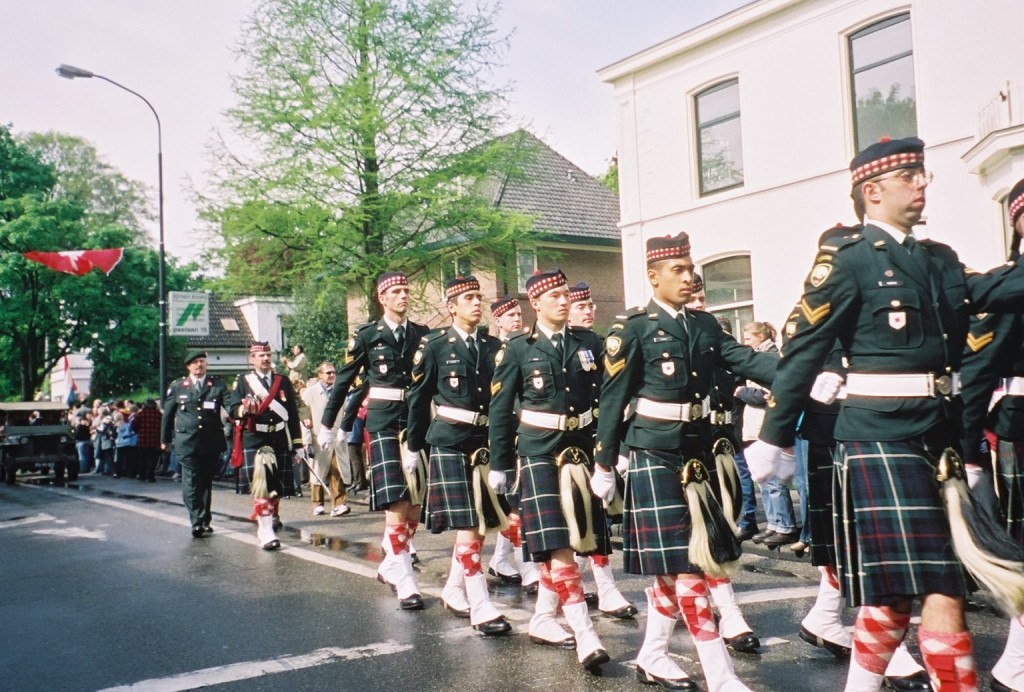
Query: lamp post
pixel 71 72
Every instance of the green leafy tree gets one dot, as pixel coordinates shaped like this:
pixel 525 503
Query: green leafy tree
pixel 379 112
pixel 610 179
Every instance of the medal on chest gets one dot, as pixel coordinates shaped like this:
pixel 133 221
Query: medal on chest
pixel 586 357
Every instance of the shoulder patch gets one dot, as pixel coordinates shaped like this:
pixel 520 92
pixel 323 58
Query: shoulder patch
pixel 418 358
pixel 499 356
pixel 612 346
pixel 820 273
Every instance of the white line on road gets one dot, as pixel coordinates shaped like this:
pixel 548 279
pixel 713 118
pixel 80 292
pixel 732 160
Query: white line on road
pixel 765 595
pixel 253 669
pixel 26 520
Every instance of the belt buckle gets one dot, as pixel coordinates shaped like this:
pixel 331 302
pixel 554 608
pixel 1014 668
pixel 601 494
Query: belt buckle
pixel 481 419
pixel 695 411
pixel 571 423
pixel 572 455
pixel 718 417
pixel 944 385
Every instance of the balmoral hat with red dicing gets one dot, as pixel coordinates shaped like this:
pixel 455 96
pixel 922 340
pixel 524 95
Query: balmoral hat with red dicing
pixel 1015 201
pixel 389 280
pixel 668 247
pixel 579 293
pixel 886 155
pixel 503 305
pixel 259 347
pixel 697 285
pixel 542 282
pixel 459 285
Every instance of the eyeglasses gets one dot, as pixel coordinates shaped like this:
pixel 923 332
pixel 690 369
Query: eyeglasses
pixel 329 372
pixel 910 176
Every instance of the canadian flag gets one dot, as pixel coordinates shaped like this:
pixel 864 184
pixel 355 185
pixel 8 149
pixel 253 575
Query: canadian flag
pixel 78 262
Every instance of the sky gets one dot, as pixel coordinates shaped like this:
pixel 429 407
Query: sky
pixel 181 55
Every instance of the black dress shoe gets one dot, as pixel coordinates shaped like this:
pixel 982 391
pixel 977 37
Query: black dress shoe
pixel 624 613
pixel 747 643
pixel 414 602
pixel 837 650
pixel 746 534
pixel 415 559
pixel 595 660
pixel 761 535
pixel 464 614
pixel 995 686
pixel 777 540
pixel 568 643
pixel 505 578
pixel 498 625
pixel 591 598
pixel 197 531
pixel 681 684
pixel 531 589
pixel 207 528
pixel 917 681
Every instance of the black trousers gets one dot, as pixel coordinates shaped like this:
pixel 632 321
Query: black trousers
pixel 197 486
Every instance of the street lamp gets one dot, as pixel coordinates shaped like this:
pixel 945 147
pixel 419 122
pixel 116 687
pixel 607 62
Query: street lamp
pixel 71 72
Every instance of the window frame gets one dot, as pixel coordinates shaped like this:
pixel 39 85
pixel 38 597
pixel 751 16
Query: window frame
pixel 852 71
pixel 700 126
pixel 735 305
pixel 520 278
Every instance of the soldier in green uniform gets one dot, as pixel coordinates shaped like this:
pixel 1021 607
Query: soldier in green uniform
pixel 664 357
pixel 452 370
pixel 382 352
pixel 192 423
pixel 900 309
pixel 552 374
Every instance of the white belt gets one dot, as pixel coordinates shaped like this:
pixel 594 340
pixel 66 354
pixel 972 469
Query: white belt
pixel 1014 386
pixel 461 415
pixel 661 410
pixel 555 421
pixel 273 427
pixel 720 417
pixel 386 394
pixel 890 385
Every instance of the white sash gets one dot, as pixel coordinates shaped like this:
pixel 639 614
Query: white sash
pixel 256 386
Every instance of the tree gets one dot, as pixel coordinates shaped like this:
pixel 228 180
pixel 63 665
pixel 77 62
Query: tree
pixel 610 179
pixel 380 113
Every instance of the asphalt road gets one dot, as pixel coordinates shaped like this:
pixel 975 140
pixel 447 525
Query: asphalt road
pixel 104 587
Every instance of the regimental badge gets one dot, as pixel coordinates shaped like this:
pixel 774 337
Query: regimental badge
pixel 351 343
pixel 612 346
pixel 418 357
pixel 820 273
pixel 898 320
pixel 382 368
pixel 668 368
pixel 538 383
pixel 587 359
pixel 453 382
pixel 498 357
pixel 790 329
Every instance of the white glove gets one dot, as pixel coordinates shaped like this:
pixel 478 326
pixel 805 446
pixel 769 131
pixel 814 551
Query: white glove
pixel 300 455
pixel 765 461
pixel 343 437
pixel 410 460
pixel 826 387
pixel 496 479
pixel 623 466
pixel 602 484
pixel 324 438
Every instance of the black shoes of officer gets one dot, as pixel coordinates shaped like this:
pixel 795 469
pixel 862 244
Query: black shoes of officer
pixel 207 528
pixel 197 531
pixel 498 625
pixel 647 679
pixel 624 613
pixel 746 643
pixel 277 523
pixel 513 578
pixel 591 598
pixel 777 540
pixel 464 614
pixel 596 659
pixel 917 681
pixel 414 602
pixel 837 650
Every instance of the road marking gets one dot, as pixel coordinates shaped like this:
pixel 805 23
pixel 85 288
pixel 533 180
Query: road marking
pixel 7 524
pixel 246 670
pixel 73 532
pixel 764 595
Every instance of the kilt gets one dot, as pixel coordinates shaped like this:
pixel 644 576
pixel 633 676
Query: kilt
pixel 818 513
pixel 512 493
pixel 284 475
pixel 449 494
pixel 892 533
pixel 544 525
pixel 387 480
pixel 656 519
pixel 1010 485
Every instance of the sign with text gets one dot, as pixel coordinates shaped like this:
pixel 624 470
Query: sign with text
pixel 189 313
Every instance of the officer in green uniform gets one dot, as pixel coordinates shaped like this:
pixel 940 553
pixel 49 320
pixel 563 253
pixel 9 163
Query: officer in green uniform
pixel 900 309
pixel 192 423
pixel 663 357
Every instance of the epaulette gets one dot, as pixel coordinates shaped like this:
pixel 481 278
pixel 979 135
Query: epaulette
pixel 525 331
pixel 632 312
pixel 365 325
pixel 840 242
pixel 431 335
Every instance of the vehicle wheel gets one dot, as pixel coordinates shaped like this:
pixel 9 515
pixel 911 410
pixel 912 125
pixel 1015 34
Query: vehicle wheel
pixel 72 467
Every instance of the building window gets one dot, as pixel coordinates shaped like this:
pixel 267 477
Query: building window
pixel 457 267
pixel 719 143
pixel 730 291
pixel 526 265
pixel 882 78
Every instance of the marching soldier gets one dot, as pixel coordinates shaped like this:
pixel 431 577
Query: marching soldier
pixel 552 373
pixel 900 309
pixel 452 370
pixel 192 423
pixel 664 357
pixel 382 353
pixel 508 317
pixel 610 600
pixel 993 394
pixel 265 409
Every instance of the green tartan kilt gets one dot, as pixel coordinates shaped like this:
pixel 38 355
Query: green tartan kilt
pixel 1010 485
pixel 818 514
pixel 449 494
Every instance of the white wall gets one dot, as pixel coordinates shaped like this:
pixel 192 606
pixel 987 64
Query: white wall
pixel 791 60
pixel 263 315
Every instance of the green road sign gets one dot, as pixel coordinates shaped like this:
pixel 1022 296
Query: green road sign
pixel 189 313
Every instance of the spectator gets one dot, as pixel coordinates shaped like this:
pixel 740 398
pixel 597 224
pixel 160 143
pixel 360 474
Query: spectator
pixel 124 446
pixel 82 433
pixel 146 425
pixel 105 437
pixel 298 366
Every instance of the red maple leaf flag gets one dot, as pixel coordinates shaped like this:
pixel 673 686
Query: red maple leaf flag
pixel 78 262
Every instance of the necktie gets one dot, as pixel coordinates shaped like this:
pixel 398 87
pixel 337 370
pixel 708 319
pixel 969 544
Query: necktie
pixel 473 352
pixel 909 243
pixel 265 379
pixel 400 337
pixel 556 339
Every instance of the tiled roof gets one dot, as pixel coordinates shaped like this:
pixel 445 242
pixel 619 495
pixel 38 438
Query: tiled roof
pixel 222 313
pixel 565 200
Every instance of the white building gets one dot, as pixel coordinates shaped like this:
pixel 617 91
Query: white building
pixel 741 131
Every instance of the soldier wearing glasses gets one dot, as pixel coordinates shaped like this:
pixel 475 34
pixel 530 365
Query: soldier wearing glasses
pixel 900 309
pixel 452 370
pixel 553 374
